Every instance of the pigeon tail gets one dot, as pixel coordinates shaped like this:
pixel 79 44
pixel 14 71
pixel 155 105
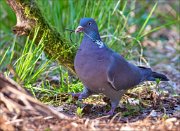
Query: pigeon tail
pixel 156 75
pixel 149 75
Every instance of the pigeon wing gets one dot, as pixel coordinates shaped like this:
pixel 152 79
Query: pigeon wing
pixel 122 75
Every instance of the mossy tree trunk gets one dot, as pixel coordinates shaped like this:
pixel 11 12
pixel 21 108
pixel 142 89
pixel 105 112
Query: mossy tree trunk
pixel 29 17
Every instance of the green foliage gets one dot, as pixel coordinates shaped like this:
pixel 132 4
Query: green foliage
pixel 6 53
pixel 146 21
pixel 29 65
pixel 131 110
pixel 79 112
pixel 7 18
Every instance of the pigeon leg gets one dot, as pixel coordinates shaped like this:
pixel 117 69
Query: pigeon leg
pixel 76 95
pixel 82 95
pixel 86 93
pixel 114 104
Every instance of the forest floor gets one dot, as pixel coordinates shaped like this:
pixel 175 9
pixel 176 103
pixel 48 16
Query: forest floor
pixel 147 107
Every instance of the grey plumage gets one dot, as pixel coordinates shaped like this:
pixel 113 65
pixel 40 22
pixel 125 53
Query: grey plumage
pixel 102 70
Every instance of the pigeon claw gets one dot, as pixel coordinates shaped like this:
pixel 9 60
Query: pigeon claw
pixel 75 95
pixel 110 113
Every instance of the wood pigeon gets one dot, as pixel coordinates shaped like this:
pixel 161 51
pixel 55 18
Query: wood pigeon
pixel 102 70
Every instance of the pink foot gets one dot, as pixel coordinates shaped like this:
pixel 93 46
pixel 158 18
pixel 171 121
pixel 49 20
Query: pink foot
pixel 111 112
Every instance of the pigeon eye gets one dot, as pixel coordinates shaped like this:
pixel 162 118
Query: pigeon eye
pixel 89 23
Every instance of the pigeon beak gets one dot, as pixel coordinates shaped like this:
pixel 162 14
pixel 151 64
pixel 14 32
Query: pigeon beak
pixel 79 29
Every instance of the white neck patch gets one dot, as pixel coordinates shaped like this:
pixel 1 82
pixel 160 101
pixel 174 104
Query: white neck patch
pixel 99 43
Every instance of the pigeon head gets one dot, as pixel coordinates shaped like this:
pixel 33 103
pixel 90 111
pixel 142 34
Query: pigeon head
pixel 89 27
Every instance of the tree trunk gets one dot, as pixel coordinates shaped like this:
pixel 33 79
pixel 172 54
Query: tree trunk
pixel 29 17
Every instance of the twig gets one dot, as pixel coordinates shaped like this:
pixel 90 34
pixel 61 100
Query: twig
pixel 114 117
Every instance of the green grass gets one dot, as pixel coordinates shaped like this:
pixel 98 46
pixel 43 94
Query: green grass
pixel 27 67
pixel 115 19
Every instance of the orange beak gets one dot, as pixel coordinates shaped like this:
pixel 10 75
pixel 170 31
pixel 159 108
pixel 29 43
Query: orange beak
pixel 79 29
